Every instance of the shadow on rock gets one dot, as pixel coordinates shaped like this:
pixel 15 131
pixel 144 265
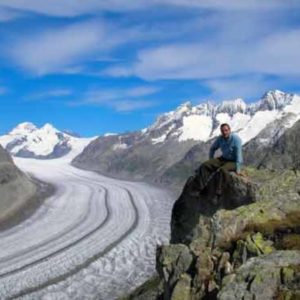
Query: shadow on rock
pixel 191 214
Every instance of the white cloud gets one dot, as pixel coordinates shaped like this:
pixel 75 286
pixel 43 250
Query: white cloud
pixel 231 4
pixel 73 8
pixel 229 39
pixel 55 49
pixel 54 93
pixel 278 54
pixel 122 100
pixel 66 49
pixel 275 54
pixel 7 15
pixel 245 87
pixel 132 105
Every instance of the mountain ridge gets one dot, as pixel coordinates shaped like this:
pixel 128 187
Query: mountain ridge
pixel 234 111
pixel 152 153
pixel 167 150
pixel 46 142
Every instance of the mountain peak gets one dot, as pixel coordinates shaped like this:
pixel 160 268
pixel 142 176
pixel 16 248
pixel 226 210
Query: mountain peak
pixel 274 99
pixel 24 127
pixel 232 106
pixel 183 108
pixel 27 140
pixel 48 127
pixel 275 93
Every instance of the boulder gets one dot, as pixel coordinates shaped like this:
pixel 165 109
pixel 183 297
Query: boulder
pixel 191 215
pixel 271 276
pixel 246 246
pixel 255 223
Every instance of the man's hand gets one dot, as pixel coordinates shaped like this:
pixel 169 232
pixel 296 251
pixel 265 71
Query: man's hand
pixel 238 173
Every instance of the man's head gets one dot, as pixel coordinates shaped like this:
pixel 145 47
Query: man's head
pixel 225 130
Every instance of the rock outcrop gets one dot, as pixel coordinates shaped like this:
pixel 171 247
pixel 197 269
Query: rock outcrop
pixel 132 156
pixel 246 246
pixel 16 188
pixel 271 276
pixel 285 152
pixel 192 215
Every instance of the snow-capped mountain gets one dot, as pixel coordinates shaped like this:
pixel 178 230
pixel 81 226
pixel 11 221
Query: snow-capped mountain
pixel 201 122
pixel 155 150
pixel 152 151
pixel 27 140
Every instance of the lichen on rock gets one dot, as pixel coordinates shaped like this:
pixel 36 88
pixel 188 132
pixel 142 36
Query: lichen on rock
pixel 246 246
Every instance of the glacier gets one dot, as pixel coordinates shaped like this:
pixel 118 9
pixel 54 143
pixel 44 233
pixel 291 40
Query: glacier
pixel 94 238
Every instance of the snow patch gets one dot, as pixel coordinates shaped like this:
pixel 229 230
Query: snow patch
pixel 160 139
pixel 196 127
pixel 120 146
pixel 258 122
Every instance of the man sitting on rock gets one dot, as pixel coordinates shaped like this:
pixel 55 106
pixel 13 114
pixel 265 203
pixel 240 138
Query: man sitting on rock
pixel 230 160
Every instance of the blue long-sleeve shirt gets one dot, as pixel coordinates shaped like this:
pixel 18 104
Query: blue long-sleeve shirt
pixel 231 149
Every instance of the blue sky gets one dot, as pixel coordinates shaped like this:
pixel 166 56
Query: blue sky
pixel 115 65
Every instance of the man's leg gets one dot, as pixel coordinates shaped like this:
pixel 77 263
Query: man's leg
pixel 224 175
pixel 206 170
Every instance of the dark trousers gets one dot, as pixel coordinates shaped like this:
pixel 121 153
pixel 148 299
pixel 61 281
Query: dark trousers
pixel 215 167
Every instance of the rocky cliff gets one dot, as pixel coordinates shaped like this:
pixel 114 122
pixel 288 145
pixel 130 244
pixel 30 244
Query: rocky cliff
pixel 16 188
pixel 284 152
pixel 245 246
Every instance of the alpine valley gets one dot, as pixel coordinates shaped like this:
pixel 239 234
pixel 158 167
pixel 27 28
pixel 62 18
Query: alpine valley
pixel 101 209
pixel 171 148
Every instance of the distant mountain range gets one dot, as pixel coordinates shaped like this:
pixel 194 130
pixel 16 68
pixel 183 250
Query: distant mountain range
pixel 178 141
pixel 175 144
pixel 201 122
pixel 27 140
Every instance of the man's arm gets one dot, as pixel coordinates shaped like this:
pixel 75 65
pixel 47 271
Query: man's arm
pixel 239 154
pixel 214 147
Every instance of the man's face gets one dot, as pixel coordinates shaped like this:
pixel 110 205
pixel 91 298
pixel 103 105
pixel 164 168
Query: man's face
pixel 225 130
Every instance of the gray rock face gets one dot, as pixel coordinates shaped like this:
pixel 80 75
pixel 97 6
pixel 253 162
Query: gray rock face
pixel 264 146
pixel 4 156
pixel 169 270
pixel 271 276
pixel 285 152
pixel 59 150
pixel 191 215
pixel 131 156
pixel 176 175
pixel 245 247
pixel 15 187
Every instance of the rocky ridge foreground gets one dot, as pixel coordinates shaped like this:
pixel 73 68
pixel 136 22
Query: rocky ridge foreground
pixel 247 246
pixel 16 188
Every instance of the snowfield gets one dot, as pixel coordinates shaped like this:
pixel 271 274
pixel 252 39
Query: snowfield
pixel 95 238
